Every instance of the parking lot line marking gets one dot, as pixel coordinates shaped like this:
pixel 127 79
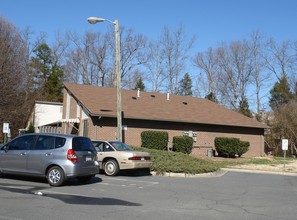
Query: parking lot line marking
pixel 9 218
pixel 61 193
pixel 137 181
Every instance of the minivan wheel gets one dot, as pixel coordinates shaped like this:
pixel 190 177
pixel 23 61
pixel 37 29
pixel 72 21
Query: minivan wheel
pixel 55 176
pixel 111 167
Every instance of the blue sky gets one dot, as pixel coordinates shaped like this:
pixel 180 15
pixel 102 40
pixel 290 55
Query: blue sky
pixel 210 21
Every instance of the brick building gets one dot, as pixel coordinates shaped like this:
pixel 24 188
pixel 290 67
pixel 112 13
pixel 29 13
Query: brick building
pixel 91 111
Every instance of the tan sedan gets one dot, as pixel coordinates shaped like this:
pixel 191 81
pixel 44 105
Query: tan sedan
pixel 115 156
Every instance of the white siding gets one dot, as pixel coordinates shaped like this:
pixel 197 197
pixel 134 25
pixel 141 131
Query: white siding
pixel 46 113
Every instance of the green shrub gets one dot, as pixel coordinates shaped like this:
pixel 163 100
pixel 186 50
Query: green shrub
pixel 154 139
pixel 31 129
pixel 227 147
pixel 176 162
pixel 244 147
pixel 182 144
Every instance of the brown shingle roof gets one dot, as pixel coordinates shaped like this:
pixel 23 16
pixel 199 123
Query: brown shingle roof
pixel 102 101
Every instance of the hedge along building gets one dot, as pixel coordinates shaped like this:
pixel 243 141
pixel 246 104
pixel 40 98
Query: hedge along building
pixel 92 111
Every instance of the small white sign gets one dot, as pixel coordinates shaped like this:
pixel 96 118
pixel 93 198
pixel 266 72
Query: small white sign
pixel 285 144
pixel 5 128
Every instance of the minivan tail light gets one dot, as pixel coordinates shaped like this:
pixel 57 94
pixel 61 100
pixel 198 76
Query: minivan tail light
pixel 71 155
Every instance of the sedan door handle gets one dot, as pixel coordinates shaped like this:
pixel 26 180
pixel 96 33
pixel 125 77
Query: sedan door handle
pixel 48 154
pixel 23 154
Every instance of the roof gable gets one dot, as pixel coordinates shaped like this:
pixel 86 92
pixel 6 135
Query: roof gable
pixel 102 101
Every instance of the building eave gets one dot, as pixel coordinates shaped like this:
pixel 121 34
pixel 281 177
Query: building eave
pixel 174 121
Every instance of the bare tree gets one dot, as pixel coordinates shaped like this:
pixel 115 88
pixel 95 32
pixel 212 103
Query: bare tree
pixel 284 125
pixel 131 78
pixel 155 65
pixel 59 48
pixel 84 60
pixel 29 69
pixel 132 52
pixel 175 52
pixel 235 71
pixel 100 58
pixel 13 108
pixel 280 58
pixel 208 63
pixel 259 75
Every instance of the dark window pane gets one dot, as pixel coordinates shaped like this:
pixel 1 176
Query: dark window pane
pixel 98 146
pixel 45 143
pixel 60 142
pixel 22 143
pixel 82 144
pixel 108 148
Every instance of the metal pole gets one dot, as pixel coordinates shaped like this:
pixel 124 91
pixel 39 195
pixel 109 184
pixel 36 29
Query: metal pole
pixel 284 160
pixel 118 73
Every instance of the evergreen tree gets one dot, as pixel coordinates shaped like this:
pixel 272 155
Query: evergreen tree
pixel 185 86
pixel 31 129
pixel 280 93
pixel 212 97
pixel 139 85
pixel 48 77
pixel 54 85
pixel 244 108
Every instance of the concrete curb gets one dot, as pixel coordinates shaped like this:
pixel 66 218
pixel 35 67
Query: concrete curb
pixel 218 173
pixel 222 172
pixel 258 171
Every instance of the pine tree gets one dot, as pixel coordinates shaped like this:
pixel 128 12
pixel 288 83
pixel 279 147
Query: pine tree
pixel 139 85
pixel 48 75
pixel 212 97
pixel 31 129
pixel 185 86
pixel 280 93
pixel 244 108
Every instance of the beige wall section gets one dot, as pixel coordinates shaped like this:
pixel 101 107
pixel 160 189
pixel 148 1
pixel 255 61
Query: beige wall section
pixel 104 133
pixel 73 108
pixel 64 111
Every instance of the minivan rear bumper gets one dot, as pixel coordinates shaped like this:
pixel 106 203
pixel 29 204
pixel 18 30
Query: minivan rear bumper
pixel 75 170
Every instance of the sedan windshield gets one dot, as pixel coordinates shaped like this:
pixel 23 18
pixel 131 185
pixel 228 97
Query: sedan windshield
pixel 119 146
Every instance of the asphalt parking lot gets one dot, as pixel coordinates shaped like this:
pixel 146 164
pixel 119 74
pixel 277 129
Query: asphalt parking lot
pixel 233 195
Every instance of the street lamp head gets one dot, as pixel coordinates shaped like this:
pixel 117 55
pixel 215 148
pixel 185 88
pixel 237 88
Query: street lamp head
pixel 94 20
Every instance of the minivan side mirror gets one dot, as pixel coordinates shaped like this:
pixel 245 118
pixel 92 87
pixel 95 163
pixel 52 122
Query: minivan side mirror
pixel 5 148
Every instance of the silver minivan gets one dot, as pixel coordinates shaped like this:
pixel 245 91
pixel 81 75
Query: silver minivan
pixel 55 156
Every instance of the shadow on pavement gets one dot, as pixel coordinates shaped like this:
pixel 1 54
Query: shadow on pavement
pixel 132 173
pixel 69 182
pixel 66 198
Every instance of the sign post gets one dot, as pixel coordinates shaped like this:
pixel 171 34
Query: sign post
pixel 5 130
pixel 285 148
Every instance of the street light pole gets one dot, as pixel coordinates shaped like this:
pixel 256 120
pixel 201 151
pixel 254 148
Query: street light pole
pixel 94 20
pixel 118 72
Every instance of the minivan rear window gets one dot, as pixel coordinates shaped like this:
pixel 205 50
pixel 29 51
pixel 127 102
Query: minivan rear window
pixel 82 144
pixel 60 142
